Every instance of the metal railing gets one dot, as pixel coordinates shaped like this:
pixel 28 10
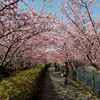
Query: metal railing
pixel 89 77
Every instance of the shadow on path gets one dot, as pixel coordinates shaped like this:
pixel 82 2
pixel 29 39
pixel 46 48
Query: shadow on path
pixel 53 88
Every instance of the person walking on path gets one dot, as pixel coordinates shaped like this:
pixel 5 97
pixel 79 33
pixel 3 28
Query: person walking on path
pixel 55 66
pixel 46 67
pixel 66 73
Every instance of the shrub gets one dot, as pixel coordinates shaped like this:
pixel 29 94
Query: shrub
pixel 23 86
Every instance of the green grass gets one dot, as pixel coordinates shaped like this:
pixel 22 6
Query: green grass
pixel 23 86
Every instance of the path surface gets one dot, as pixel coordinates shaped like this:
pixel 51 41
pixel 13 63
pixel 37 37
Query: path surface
pixel 53 88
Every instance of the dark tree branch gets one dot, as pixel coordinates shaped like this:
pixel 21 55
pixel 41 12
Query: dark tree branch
pixel 9 5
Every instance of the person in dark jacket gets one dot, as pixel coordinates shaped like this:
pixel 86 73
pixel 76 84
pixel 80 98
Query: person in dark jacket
pixel 46 67
pixel 55 65
pixel 66 73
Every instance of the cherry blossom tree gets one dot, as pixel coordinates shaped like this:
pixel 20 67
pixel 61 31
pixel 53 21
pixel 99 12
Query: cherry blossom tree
pixel 17 26
pixel 30 36
pixel 83 29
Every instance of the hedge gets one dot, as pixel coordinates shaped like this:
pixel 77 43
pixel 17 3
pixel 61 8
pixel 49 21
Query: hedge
pixel 23 86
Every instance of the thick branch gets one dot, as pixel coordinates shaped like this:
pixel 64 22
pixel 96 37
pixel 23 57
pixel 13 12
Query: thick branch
pixel 9 5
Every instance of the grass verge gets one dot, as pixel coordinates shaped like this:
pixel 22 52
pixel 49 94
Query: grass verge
pixel 23 86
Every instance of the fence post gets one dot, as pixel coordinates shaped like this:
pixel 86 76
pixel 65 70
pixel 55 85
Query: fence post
pixel 93 81
pixel 99 85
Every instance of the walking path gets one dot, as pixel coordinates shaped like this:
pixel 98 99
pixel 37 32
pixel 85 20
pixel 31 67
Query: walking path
pixel 53 88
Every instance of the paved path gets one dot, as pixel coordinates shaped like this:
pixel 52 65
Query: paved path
pixel 53 88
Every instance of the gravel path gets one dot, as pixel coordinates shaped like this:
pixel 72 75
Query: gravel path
pixel 53 88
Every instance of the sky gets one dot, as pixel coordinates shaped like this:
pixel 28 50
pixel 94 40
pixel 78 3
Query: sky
pixel 55 6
